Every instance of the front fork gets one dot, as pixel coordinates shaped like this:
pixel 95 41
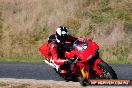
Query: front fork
pixel 85 68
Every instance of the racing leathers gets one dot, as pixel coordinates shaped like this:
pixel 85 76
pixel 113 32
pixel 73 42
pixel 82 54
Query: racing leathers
pixel 57 51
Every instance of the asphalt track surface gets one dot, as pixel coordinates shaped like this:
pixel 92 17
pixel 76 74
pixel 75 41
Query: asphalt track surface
pixel 41 71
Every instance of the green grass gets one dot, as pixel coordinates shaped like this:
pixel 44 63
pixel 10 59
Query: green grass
pixel 119 60
pixel 21 59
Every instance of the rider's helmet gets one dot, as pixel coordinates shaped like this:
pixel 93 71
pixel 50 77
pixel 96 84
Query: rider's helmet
pixel 62 34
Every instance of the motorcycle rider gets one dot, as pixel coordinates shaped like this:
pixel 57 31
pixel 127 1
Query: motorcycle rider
pixel 56 44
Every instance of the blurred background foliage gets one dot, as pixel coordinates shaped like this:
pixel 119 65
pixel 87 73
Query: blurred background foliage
pixel 26 24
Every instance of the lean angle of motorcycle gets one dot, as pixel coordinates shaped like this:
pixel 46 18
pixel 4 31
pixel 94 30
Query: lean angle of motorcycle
pixel 87 63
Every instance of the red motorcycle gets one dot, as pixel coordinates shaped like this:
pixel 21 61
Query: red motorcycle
pixel 87 63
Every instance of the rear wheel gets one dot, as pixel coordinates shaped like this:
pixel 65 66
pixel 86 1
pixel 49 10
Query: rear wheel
pixel 108 72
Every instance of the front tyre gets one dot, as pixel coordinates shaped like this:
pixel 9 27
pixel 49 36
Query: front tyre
pixel 108 72
pixel 84 82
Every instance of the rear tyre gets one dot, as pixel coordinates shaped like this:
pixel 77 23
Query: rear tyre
pixel 108 72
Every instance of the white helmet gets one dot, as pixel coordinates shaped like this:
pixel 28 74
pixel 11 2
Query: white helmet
pixel 62 34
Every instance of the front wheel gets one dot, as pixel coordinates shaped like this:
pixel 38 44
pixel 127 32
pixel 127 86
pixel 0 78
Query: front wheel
pixel 108 72
pixel 84 82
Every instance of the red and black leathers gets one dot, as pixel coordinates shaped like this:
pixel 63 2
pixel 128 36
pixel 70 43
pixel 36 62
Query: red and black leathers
pixel 56 49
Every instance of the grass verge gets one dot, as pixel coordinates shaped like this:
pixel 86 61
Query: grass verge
pixel 40 59
pixel 21 59
pixel 119 61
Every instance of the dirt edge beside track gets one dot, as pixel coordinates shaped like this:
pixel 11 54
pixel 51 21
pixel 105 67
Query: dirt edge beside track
pixel 32 83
